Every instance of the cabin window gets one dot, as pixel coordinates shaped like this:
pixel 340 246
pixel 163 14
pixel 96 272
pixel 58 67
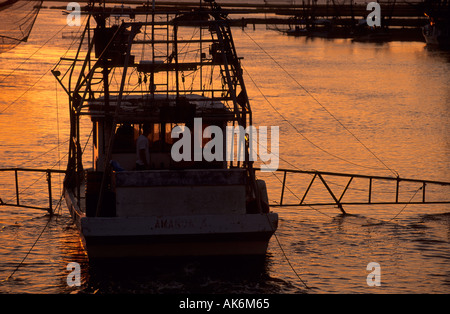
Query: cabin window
pixel 124 141
pixel 154 137
pixel 160 139
pixel 168 132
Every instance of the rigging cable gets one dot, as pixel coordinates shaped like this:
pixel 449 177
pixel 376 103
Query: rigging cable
pixel 289 262
pixel 312 143
pixel 29 88
pixel 396 215
pixel 34 244
pixel 281 247
pixel 307 139
pixel 299 132
pixel 318 102
pixel 44 153
pixel 37 180
pixel 40 78
pixel 29 57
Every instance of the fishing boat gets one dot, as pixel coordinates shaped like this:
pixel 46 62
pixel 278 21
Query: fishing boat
pixel 437 32
pixel 151 74
pixel 131 73
pixel 437 35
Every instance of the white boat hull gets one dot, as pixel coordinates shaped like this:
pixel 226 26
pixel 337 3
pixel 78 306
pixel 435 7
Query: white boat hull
pixel 163 236
pixel 167 236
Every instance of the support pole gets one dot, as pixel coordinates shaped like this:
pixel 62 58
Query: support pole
pixel 423 192
pixel 396 190
pixel 282 188
pixel 50 201
pixel 345 189
pixel 332 194
pixel 307 190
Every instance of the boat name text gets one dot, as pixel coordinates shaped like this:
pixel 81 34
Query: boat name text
pixel 173 223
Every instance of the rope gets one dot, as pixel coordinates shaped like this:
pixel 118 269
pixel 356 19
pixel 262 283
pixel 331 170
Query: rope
pixel 42 46
pixel 40 78
pixel 318 102
pixel 299 132
pixel 289 263
pixel 285 256
pixel 29 88
pixel 396 215
pixel 29 251
pixel 40 155
pixel 284 253
pixel 34 244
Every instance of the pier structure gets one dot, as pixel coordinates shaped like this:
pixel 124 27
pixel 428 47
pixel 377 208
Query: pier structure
pixel 339 18
pixel 393 13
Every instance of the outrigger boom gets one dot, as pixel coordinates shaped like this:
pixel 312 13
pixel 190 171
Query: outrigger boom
pixel 368 190
pixel 316 175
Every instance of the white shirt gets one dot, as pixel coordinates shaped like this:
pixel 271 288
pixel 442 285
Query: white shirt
pixel 142 143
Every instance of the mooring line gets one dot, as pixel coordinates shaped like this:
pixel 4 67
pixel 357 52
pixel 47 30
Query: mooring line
pixel 318 102
pixel 299 132
pixel 282 250
pixel 396 215
pixel 358 224
pixel 30 56
pixel 34 244
pixel 289 263
pixel 29 251
pixel 40 78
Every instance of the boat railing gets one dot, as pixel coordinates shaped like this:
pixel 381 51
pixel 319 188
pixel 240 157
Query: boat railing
pixel 365 189
pixel 18 202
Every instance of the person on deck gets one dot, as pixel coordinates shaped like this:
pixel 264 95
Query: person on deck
pixel 142 149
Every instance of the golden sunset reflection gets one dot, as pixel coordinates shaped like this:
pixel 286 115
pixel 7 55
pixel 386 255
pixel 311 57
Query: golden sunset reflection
pixel 341 106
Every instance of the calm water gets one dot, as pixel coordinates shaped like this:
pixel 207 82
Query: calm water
pixel 395 98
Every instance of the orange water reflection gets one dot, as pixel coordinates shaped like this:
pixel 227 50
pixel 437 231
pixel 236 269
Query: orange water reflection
pixel 393 97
